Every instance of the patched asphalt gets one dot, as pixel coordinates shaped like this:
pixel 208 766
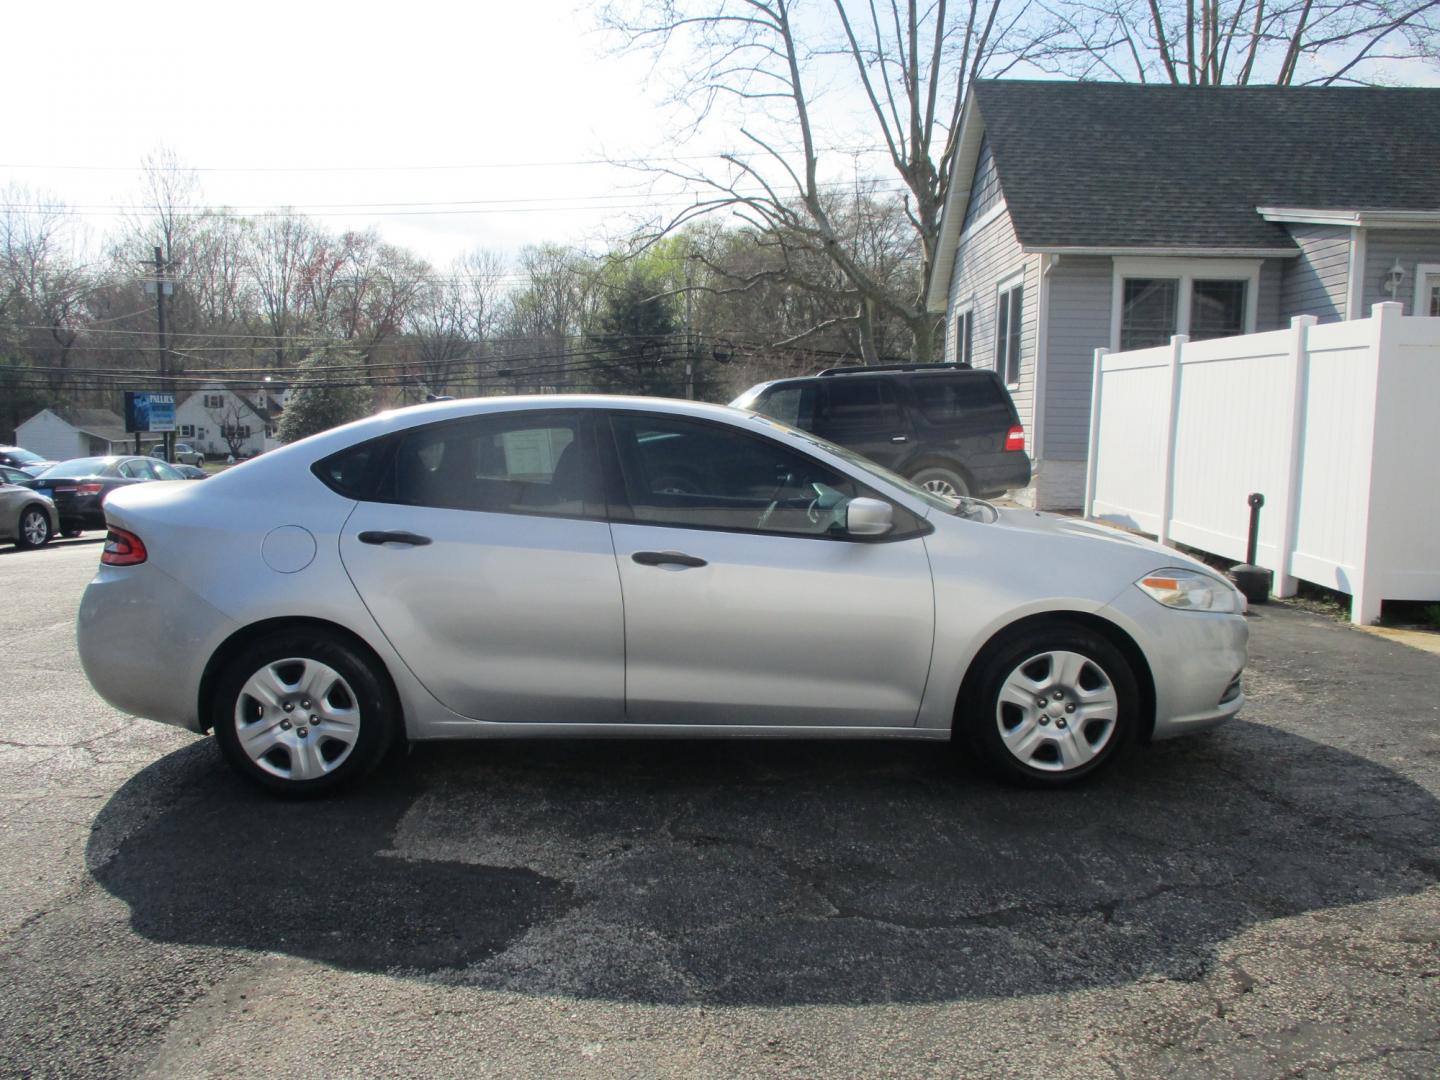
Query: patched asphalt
pixel 1261 901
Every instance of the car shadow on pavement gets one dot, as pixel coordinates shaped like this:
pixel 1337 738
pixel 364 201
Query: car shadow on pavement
pixel 765 873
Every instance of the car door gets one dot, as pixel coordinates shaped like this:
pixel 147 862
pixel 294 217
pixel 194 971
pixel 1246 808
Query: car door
pixel 743 604
pixel 862 413
pixel 481 549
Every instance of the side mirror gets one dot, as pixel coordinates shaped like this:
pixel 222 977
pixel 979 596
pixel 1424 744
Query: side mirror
pixel 868 517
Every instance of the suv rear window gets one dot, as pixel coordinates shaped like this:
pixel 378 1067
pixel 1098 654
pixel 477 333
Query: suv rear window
pixel 948 399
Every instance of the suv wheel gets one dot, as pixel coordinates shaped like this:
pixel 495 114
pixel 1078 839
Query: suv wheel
pixel 941 481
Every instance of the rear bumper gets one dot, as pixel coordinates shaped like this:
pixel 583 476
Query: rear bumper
pixel 144 640
pixel 998 473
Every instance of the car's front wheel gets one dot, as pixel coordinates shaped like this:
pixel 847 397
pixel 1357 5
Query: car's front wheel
pixel 303 713
pixel 1050 706
pixel 34 528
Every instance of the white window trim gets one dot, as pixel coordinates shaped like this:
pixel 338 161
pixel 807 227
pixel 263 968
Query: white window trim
pixel 1185 271
pixel 967 308
pixel 1003 286
pixel 1422 271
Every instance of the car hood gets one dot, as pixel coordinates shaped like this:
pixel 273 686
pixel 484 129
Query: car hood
pixel 1035 522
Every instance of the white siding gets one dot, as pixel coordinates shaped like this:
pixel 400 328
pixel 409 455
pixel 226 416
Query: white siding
pixel 1382 248
pixel 987 256
pixel 1315 283
pixel 1079 323
pixel 50 437
pixel 192 412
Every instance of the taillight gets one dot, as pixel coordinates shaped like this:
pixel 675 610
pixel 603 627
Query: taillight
pixel 1015 438
pixel 89 489
pixel 123 548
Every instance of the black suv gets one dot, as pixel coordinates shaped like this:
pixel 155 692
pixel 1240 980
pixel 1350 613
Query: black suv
pixel 946 427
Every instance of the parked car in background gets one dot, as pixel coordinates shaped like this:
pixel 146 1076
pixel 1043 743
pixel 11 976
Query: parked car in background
pixel 609 566
pixel 27 518
pixel 80 486
pixel 945 427
pixel 19 458
pixel 190 472
pixel 185 454
pixel 11 475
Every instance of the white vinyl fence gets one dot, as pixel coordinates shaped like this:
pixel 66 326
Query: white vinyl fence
pixel 1335 424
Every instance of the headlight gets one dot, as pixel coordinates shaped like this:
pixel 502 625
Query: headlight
pixel 1190 591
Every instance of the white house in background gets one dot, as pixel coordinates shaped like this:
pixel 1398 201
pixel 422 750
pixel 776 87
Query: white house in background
pixel 61 434
pixel 1091 215
pixel 204 418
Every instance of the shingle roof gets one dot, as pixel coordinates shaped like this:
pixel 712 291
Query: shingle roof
pixel 1111 165
pixel 102 422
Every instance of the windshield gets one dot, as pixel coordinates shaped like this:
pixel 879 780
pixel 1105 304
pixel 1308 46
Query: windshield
pixel 939 502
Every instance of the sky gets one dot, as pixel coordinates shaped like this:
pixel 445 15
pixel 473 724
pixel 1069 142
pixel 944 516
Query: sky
pixel 485 110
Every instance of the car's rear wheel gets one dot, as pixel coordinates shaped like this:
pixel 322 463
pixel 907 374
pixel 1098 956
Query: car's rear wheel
pixel 70 532
pixel 1050 706
pixel 34 528
pixel 303 713
pixel 941 481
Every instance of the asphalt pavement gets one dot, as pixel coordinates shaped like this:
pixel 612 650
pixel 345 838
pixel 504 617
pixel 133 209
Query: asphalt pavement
pixel 1258 902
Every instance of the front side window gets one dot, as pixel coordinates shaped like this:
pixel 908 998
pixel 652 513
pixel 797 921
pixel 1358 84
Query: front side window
pixel 523 463
pixel 1008 311
pixel 164 472
pixel 793 405
pixel 691 474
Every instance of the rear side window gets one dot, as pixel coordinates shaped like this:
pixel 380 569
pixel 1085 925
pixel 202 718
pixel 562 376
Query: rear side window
pixel 952 400
pixel 348 473
pixel 854 407
pixel 525 463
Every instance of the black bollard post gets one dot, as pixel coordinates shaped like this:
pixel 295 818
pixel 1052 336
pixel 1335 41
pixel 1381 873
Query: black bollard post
pixel 1250 579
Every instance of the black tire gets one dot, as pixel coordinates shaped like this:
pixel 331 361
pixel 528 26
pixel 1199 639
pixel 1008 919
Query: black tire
pixel 362 685
pixel 941 480
pixel 33 528
pixel 1058 755
pixel 70 532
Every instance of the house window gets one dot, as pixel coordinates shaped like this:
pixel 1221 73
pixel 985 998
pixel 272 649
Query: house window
pixel 187 431
pixel 1217 309
pixel 1156 299
pixel 1007 332
pixel 964 337
pixel 1148 312
pixel 214 401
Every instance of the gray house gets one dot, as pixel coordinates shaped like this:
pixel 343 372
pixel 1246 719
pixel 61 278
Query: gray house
pixel 1089 215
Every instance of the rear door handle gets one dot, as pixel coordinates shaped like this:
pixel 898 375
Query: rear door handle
pixel 899 438
pixel 667 558
pixel 399 537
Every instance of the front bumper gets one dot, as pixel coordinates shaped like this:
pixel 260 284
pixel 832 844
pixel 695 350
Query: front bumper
pixel 1195 658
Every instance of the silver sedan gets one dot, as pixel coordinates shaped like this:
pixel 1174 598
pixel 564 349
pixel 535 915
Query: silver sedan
pixel 27 518
pixel 612 566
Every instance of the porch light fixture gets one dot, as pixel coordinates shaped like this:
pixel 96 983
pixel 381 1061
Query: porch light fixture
pixel 1393 279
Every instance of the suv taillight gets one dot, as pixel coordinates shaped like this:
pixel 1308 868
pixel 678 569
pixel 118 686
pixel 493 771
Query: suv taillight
pixel 123 548
pixel 1015 438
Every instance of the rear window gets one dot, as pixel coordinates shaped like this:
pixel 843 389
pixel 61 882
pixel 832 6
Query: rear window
pixel 949 400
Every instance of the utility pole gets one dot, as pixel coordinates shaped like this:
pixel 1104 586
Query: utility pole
pixel 165 380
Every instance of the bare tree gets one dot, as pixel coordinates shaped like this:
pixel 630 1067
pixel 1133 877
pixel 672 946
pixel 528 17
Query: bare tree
pixel 1214 42
pixel 236 421
pixel 453 317
pixel 908 65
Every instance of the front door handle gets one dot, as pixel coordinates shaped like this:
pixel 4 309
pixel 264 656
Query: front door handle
pixel 899 438
pixel 397 537
pixel 667 558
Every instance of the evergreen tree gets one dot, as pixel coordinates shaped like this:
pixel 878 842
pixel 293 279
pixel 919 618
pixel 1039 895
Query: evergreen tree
pixel 635 339
pixel 324 395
